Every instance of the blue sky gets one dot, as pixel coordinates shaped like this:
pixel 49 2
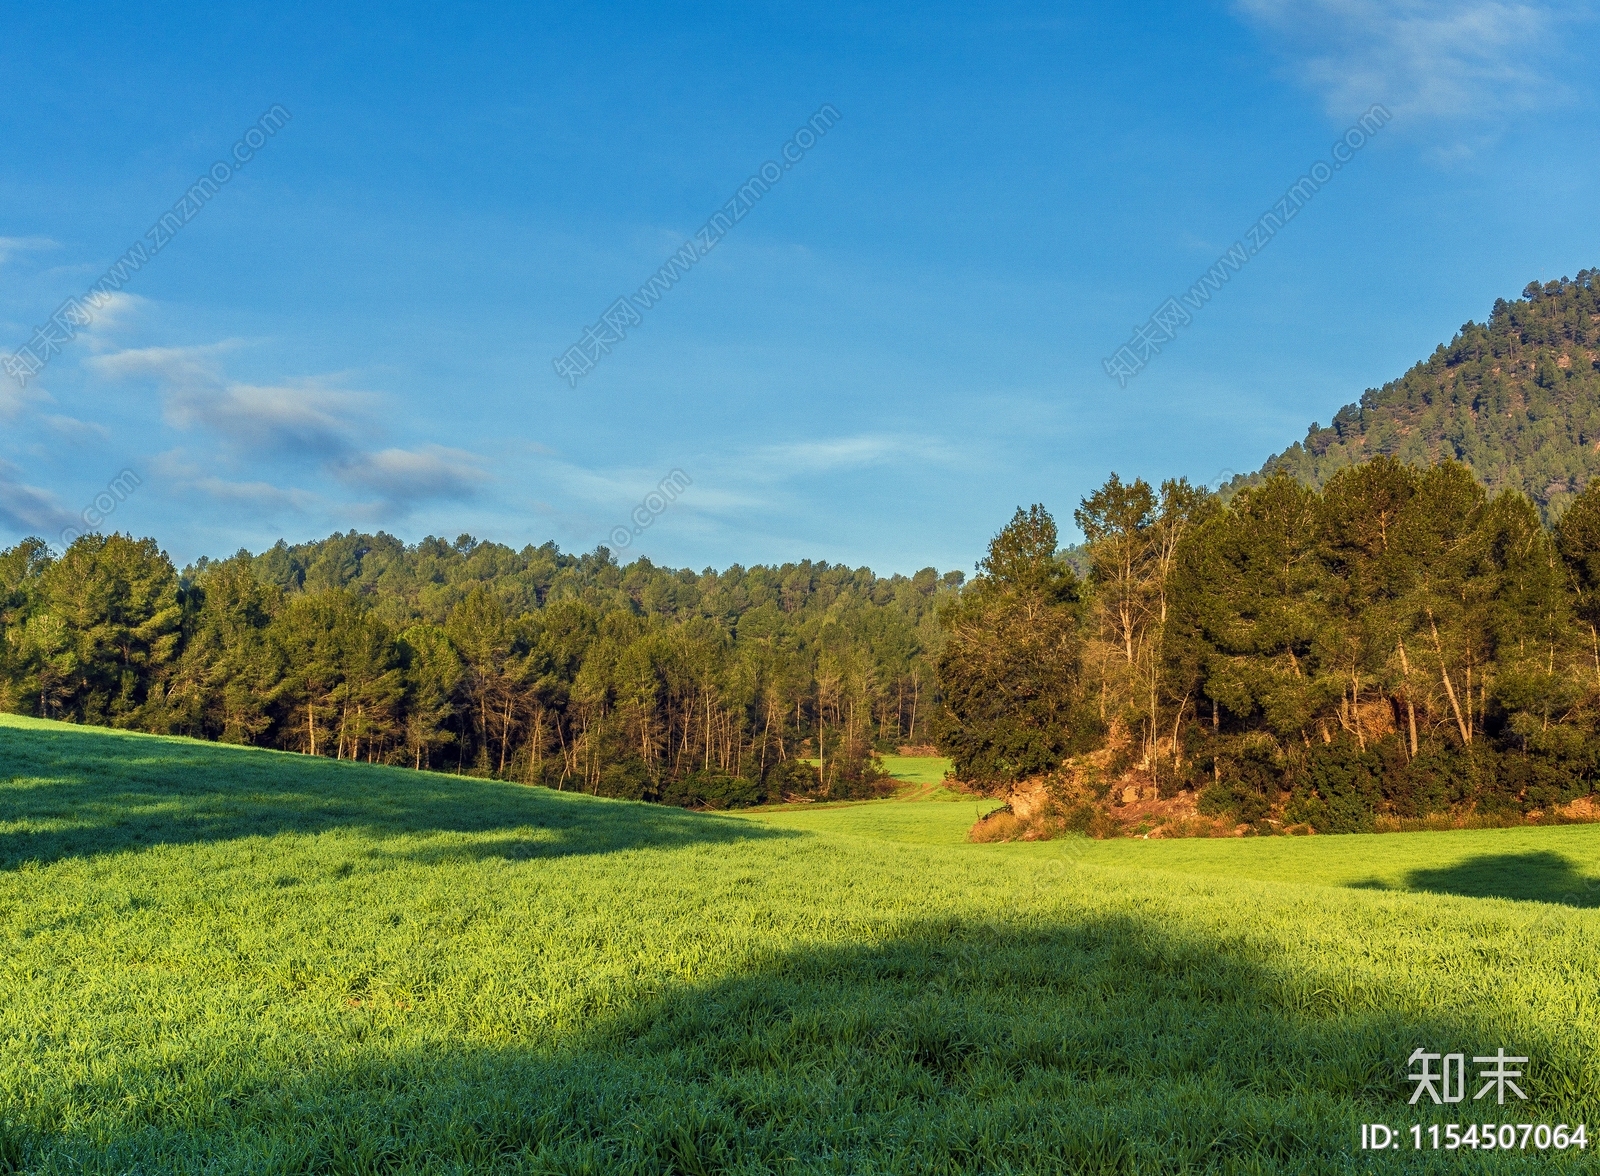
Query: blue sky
pixel 896 345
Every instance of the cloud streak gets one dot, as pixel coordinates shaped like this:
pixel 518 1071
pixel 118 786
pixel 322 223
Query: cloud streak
pixel 1423 58
pixel 303 420
pixel 405 478
pixel 862 451
pixel 729 487
pixel 296 419
pixel 11 246
pixel 28 509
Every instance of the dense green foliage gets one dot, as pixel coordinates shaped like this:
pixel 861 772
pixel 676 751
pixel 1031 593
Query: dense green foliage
pixel 1517 399
pixel 221 959
pixel 1396 645
pixel 1010 672
pixel 637 681
pixel 1039 663
pixel 1399 643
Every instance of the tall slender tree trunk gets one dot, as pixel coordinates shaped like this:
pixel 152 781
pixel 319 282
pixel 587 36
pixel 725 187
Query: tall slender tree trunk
pixel 483 719
pixel 822 761
pixel 1355 706
pixel 1153 716
pixel 1411 710
pixel 561 784
pixel 505 733
pixel 1461 724
pixel 1176 720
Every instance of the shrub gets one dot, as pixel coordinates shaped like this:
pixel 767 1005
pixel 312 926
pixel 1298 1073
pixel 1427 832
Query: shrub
pixel 1336 787
pixel 627 779
pixel 713 790
pixel 1000 825
pixel 1250 768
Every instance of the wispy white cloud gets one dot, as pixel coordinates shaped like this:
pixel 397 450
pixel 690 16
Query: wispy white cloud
pixel 115 313
pixel 170 366
pixel 300 420
pixel 610 489
pixel 303 418
pixel 862 451
pixel 11 246
pixel 27 509
pixel 403 478
pixel 761 466
pixel 181 472
pixel 727 489
pixel 73 428
pixel 14 399
pixel 258 495
pixel 1429 59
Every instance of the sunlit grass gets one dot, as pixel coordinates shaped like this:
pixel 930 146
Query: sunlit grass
pixel 917 769
pixel 214 959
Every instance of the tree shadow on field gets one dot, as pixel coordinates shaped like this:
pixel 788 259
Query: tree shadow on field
pixel 1536 876
pixel 67 792
pixel 1096 1046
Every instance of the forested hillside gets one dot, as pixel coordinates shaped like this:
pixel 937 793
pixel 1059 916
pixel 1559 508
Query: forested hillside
pixel 571 671
pixel 1516 399
pixel 1395 618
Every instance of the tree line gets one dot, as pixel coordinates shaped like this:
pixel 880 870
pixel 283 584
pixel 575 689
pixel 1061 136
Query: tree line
pixel 575 672
pixel 1397 643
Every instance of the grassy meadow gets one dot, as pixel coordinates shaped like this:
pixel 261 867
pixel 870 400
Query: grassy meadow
pixel 220 959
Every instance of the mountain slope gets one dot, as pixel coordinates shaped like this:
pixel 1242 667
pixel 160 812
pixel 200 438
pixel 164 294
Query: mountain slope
pixel 1517 399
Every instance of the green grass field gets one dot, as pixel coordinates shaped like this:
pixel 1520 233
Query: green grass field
pixel 215 959
pixel 915 769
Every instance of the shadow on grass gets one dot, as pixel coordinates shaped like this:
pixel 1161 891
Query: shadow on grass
pixel 1536 876
pixel 68 792
pixel 1107 1045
